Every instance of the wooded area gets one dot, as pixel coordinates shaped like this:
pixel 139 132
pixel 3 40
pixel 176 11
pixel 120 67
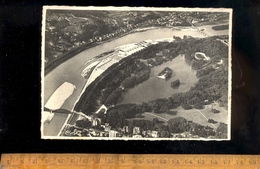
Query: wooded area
pixel 212 85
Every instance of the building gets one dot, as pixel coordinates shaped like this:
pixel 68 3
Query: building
pixel 107 128
pixel 149 133
pixel 137 136
pixel 125 129
pixel 155 134
pixel 136 130
pixel 102 109
pixel 113 133
pixel 96 121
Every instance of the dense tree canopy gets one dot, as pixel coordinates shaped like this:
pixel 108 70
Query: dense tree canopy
pixel 212 86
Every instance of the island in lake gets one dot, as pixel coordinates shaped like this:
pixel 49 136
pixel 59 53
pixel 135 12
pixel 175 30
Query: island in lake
pixel 175 83
pixel 166 73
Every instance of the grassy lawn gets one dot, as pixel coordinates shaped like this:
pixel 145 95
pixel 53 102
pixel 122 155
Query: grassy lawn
pixel 193 115
pixel 148 116
pixel 219 117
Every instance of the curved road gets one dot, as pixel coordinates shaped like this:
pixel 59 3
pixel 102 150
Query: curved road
pixel 157 116
pixel 205 118
pixel 167 119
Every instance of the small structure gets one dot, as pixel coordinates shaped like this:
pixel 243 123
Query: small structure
pixel 103 107
pixel 137 136
pixel 113 133
pixel 136 130
pixel 96 121
pixel 155 134
pixel 125 129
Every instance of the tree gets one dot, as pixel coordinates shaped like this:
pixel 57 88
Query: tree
pixel 177 125
pixel 129 82
pixel 185 106
pixel 175 83
pixel 113 97
pixel 84 123
pixel 164 109
pixel 165 134
pixel 146 107
pixel 155 121
pixel 221 132
pixel 215 111
pixel 212 121
pixel 172 112
pixel 198 106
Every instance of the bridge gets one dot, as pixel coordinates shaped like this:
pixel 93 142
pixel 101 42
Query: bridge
pixel 198 30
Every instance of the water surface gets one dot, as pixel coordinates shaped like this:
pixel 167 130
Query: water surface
pixel 71 69
pixel 155 88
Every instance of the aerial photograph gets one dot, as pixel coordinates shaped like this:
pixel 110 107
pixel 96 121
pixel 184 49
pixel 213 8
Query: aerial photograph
pixel 121 73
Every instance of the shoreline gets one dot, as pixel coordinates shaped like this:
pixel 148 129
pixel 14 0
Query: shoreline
pixel 85 47
pixel 70 54
pixel 70 117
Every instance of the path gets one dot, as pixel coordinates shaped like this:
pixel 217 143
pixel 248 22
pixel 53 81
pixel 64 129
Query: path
pixel 206 118
pixel 157 116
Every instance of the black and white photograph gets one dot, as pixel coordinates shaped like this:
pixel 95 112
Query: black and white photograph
pixel 135 73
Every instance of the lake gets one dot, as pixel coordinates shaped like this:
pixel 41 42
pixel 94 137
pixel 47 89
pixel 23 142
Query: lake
pixel 155 88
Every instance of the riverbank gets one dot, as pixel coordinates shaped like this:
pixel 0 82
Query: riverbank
pixel 48 68
pixel 66 56
pixel 71 70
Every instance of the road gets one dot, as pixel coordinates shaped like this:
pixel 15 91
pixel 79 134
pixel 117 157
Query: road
pixel 157 116
pixel 225 43
pixel 167 119
pixel 193 26
pixel 205 117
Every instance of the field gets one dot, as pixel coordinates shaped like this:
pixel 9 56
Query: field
pixel 195 115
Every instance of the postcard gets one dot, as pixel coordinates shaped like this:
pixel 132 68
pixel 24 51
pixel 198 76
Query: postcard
pixel 136 73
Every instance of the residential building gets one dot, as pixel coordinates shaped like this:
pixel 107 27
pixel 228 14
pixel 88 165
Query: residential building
pixel 136 130
pixel 155 134
pixel 125 129
pixel 113 133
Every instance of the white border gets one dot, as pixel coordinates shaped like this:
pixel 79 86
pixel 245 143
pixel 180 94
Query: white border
pixel 180 9
pixel 43 65
pixel 230 73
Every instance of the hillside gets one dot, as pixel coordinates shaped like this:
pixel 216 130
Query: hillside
pixel 68 30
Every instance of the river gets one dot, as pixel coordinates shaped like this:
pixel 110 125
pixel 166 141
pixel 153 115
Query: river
pixel 70 70
pixel 155 88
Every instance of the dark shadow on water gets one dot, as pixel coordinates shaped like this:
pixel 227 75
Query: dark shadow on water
pixel 175 87
pixel 168 78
